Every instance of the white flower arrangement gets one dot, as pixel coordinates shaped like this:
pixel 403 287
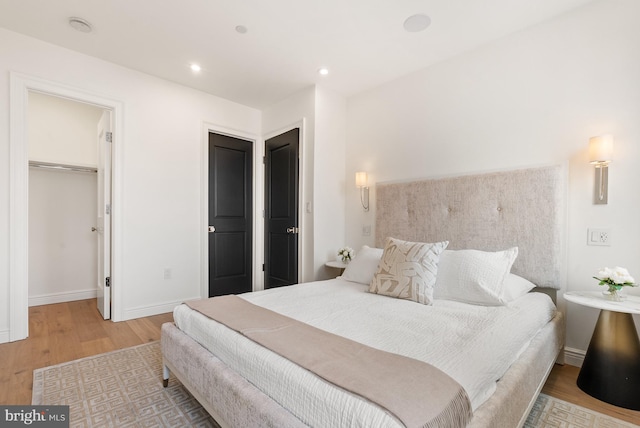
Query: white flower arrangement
pixel 615 278
pixel 346 254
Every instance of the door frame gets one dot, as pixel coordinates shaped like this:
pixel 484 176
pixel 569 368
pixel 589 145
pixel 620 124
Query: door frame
pixel 257 204
pixel 20 86
pixel 305 223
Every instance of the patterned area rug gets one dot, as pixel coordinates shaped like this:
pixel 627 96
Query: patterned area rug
pixel 124 389
pixel 119 389
pixel 551 412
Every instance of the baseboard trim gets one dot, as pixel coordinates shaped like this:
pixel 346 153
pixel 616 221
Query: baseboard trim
pixel 67 296
pixel 4 336
pixel 147 311
pixel 574 357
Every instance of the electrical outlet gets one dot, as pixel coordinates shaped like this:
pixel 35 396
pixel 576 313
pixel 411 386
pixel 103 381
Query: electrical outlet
pixel 600 237
pixel 167 273
pixel 366 230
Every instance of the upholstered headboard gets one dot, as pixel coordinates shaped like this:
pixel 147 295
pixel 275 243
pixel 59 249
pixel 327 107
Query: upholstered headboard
pixel 491 212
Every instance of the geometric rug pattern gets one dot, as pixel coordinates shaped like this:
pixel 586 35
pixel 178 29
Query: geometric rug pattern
pixel 123 388
pixel 552 412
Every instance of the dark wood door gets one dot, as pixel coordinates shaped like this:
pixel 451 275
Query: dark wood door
pixel 230 215
pixel 281 209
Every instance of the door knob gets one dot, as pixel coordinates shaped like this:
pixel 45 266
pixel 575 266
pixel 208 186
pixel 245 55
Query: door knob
pixel 93 229
pixel 292 229
pixel 212 229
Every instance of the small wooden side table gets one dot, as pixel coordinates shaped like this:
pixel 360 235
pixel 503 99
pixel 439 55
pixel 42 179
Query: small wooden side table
pixel 611 368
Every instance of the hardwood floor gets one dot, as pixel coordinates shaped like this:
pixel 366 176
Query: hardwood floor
pixel 64 332
pixel 562 385
pixel 68 331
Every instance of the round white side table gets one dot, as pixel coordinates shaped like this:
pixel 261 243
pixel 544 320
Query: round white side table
pixel 336 265
pixel 611 368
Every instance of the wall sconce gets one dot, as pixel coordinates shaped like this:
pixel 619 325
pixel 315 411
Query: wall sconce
pixel 600 155
pixel 361 182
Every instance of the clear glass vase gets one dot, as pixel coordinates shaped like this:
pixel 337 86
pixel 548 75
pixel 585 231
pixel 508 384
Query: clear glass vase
pixel 614 294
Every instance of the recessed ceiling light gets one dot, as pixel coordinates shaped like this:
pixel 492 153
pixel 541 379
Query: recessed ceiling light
pixel 241 29
pixel 416 23
pixel 80 24
pixel 323 71
pixel 195 68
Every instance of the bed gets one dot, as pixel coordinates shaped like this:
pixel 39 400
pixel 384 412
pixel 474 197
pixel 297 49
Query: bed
pixel 488 213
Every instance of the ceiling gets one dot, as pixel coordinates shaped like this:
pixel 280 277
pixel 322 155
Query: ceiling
pixel 361 42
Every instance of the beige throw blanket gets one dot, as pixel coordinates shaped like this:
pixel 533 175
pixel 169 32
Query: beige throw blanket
pixel 417 393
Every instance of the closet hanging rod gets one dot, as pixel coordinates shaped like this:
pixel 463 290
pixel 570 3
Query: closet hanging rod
pixel 62 167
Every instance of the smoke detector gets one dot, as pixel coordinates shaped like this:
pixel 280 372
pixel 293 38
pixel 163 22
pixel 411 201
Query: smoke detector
pixel 416 23
pixel 80 24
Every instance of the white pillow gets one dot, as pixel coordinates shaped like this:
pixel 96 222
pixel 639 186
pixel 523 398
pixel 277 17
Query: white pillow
pixel 473 276
pixel 363 266
pixel 408 270
pixel 516 286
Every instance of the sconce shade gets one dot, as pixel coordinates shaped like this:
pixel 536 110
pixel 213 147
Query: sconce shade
pixel 601 149
pixel 361 179
pixel 361 183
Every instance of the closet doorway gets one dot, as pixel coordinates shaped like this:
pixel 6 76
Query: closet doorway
pixel 282 201
pixel 69 151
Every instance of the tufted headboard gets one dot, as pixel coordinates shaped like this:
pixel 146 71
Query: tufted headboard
pixel 491 212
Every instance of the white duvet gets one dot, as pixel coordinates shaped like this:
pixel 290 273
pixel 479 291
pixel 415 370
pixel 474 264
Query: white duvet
pixel 475 345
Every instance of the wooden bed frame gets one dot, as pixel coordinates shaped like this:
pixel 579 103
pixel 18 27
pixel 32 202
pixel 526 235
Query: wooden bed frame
pixel 523 208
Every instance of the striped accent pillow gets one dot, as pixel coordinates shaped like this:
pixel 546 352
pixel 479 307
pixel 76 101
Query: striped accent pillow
pixel 408 270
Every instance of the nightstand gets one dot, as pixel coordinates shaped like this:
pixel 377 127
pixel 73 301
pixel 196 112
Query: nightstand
pixel 337 265
pixel 611 368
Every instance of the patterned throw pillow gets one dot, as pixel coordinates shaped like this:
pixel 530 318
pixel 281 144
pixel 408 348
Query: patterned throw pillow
pixel 408 270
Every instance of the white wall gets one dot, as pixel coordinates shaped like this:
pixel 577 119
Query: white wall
pixel 62 248
pixel 329 182
pixel 161 161
pixel 529 99
pixel 62 131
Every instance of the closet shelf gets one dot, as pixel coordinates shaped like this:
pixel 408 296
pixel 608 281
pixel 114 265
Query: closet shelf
pixel 62 167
